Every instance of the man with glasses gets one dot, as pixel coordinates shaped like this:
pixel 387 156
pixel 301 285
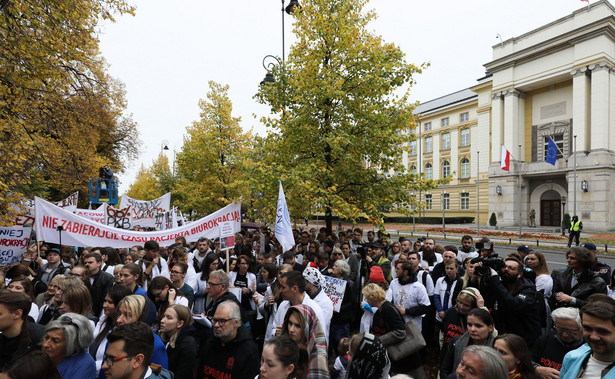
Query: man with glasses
pixel 231 353
pixel 129 353
pixel 217 290
pixel 178 273
pixel 99 283
pixel 549 351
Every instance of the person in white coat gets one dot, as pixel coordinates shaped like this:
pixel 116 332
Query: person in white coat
pixel 314 284
pixel 408 294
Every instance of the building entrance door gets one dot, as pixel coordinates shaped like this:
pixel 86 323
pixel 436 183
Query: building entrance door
pixel 550 212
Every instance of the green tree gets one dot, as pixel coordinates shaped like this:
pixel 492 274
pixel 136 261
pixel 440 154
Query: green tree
pixel 154 181
pixel 61 115
pixel 341 119
pixel 210 166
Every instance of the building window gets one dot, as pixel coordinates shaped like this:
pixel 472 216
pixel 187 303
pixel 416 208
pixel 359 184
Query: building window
pixel 412 147
pixel 428 171
pixel 464 117
pixel 465 168
pixel 444 122
pixel 427 201
pixel 446 169
pixel 427 126
pixel 429 144
pixel 465 201
pixel 446 141
pixel 465 137
pixel 446 201
pixel 413 170
pixel 559 141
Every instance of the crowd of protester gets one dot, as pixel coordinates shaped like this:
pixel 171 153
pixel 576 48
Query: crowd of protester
pixel 190 310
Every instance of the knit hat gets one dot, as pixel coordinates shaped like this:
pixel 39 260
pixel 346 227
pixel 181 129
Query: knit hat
pixel 376 275
pixel 589 246
pixel 314 276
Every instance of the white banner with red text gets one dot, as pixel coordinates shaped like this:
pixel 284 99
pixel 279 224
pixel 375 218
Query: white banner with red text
pixel 143 212
pixel 81 231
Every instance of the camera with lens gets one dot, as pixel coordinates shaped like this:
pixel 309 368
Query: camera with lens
pixel 362 250
pixel 484 245
pixel 497 264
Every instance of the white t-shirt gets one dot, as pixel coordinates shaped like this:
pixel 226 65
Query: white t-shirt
pixel 594 368
pixel 408 296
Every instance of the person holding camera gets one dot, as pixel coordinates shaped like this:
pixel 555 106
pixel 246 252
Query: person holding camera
pixel 517 309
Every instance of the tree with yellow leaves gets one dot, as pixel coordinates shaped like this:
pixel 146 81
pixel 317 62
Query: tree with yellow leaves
pixel 341 119
pixel 61 115
pixel 210 165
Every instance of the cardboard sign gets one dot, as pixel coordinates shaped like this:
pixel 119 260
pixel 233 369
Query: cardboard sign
pixel 144 211
pixel 13 244
pixel 335 289
pixel 227 236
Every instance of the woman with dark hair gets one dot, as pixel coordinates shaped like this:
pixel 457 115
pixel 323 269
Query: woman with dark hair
pixel 177 331
pixel 24 285
pixel 455 318
pixel 244 278
pixel 586 282
pixel 538 263
pixel 77 299
pixel 65 343
pixel 34 365
pixel 163 293
pixel 131 277
pixel 516 355
pixel 106 323
pixel 302 326
pixel 111 258
pixel 280 359
pixel 131 257
pixel 51 311
pixel 480 332
pixel 210 264
pixel 232 264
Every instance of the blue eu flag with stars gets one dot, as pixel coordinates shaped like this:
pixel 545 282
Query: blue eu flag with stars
pixel 551 152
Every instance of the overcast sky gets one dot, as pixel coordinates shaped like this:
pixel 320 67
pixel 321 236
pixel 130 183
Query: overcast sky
pixel 169 51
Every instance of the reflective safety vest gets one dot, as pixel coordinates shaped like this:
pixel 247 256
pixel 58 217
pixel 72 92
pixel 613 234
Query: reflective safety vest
pixel 574 226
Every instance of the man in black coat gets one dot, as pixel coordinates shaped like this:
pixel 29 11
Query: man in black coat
pixel 517 309
pixel 99 283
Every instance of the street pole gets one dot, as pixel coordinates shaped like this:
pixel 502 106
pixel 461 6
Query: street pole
pixel 520 211
pixel 477 193
pixel 413 214
pixel 283 44
pixel 443 207
pixel 574 188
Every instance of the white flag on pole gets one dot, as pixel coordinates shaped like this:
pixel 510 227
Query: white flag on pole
pixel 283 229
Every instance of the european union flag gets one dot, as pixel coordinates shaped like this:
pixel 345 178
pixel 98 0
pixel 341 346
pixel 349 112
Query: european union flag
pixel 551 152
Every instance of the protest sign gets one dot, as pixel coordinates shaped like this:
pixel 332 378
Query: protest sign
pixel 144 211
pixel 117 218
pixel 335 288
pixel 13 244
pixel 166 220
pixel 97 215
pixel 227 236
pixel 80 231
pixel 27 208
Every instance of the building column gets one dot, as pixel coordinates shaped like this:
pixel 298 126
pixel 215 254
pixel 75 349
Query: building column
pixel 512 124
pixel 497 126
pixel 581 107
pixel 600 100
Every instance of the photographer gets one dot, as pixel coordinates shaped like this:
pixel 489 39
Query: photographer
pixel 516 310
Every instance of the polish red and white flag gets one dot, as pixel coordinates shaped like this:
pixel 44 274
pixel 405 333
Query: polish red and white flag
pixel 505 162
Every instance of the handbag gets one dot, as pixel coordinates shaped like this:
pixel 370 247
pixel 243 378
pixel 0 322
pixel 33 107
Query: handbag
pixel 412 342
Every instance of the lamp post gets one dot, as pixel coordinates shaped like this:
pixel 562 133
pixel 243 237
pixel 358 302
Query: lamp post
pixel 563 213
pixel 574 163
pixel 520 210
pixel 164 145
pixel 477 193
pixel 443 212
pixel 288 9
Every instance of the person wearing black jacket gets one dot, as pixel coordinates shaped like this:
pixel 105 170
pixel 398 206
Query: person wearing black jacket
pixel 18 335
pixel 573 285
pixel 517 309
pixel 231 353
pixel 177 331
pixel 99 282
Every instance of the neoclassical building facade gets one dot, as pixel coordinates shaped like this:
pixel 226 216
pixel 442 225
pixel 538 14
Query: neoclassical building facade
pixel 556 81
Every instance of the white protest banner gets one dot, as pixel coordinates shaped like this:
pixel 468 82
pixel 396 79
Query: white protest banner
pixel 70 203
pixel 144 211
pixel 80 231
pixel 283 229
pixel 335 288
pixel 166 220
pixel 118 218
pixel 13 244
pixel 227 236
pixel 97 215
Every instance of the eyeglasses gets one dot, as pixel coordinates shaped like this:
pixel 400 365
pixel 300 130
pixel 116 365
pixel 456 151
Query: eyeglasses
pixel 213 284
pixel 176 272
pixel 74 274
pixel 567 331
pixel 110 360
pixel 220 321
